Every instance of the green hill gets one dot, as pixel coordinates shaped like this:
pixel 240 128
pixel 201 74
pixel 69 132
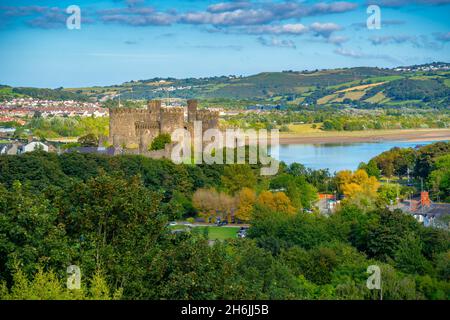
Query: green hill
pixel 422 85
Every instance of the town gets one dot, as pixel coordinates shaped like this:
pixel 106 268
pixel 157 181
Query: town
pixel 19 108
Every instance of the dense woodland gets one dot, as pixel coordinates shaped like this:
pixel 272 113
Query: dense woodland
pixel 109 216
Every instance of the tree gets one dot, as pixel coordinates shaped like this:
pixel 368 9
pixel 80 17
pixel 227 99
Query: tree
pixel 89 140
pixel 212 204
pixel 439 178
pixel 160 141
pixel 45 285
pixel 357 183
pixel 115 224
pixel 385 232
pixel 427 156
pixel 277 202
pixel 29 232
pixel 388 192
pixel 247 199
pixel 371 168
pixel 300 192
pixel 409 258
pixel 238 176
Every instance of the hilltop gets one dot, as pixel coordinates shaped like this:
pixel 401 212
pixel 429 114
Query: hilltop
pixel 418 85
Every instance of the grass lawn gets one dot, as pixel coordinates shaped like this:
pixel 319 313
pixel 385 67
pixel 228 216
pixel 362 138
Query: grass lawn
pixel 220 233
pixel 214 233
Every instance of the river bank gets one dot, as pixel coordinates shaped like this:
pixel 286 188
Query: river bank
pixel 410 135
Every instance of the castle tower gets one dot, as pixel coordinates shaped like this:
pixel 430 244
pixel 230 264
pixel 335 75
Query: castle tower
pixel 192 110
pixel 154 106
pixel 172 118
pixel 209 119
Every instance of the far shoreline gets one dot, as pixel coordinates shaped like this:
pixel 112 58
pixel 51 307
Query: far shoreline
pixel 405 135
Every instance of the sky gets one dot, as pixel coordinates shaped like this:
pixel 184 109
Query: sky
pixel 124 40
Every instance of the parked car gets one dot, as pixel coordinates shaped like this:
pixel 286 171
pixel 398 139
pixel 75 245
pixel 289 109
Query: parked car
pixel 242 234
pixel 221 223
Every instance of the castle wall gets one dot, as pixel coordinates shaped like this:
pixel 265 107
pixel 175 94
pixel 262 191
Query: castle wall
pixel 146 132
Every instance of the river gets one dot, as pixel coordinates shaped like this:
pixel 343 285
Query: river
pixel 337 156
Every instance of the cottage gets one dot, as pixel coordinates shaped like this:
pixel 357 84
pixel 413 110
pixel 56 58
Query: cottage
pixel 33 146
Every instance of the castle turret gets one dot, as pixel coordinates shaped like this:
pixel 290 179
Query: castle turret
pixel 192 110
pixel 172 118
pixel 154 106
pixel 209 119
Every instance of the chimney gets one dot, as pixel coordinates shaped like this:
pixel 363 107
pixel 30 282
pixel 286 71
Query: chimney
pixel 425 199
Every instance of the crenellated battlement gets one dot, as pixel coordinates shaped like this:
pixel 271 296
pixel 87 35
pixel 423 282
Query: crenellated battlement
pixel 173 110
pixel 207 114
pixel 127 111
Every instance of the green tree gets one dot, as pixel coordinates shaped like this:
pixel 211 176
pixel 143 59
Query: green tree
pixel 160 141
pixel 238 176
pixel 409 258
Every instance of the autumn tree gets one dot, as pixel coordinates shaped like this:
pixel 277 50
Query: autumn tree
pixel 277 201
pixel 350 184
pixel 247 199
pixel 212 203
pixel 205 201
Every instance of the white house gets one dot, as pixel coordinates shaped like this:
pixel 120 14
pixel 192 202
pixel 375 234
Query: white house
pixel 33 146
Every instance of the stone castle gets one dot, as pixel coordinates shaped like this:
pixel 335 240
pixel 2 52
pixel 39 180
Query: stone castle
pixel 136 128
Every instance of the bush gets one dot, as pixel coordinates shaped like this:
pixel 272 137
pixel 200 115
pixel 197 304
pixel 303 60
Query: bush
pixel 160 141
pixel 190 220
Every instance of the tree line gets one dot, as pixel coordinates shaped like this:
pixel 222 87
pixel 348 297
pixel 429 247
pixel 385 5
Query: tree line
pixel 109 216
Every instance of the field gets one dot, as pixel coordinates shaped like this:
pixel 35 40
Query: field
pixel 362 87
pixel 304 128
pixel 220 233
pixel 214 232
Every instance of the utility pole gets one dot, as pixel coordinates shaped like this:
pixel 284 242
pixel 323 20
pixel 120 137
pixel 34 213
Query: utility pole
pixel 421 190
pixel 381 290
pixel 407 171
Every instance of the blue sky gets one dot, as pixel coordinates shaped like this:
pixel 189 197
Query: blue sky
pixel 123 40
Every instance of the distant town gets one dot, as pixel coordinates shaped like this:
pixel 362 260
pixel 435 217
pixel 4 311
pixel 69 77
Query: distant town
pixel 27 107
